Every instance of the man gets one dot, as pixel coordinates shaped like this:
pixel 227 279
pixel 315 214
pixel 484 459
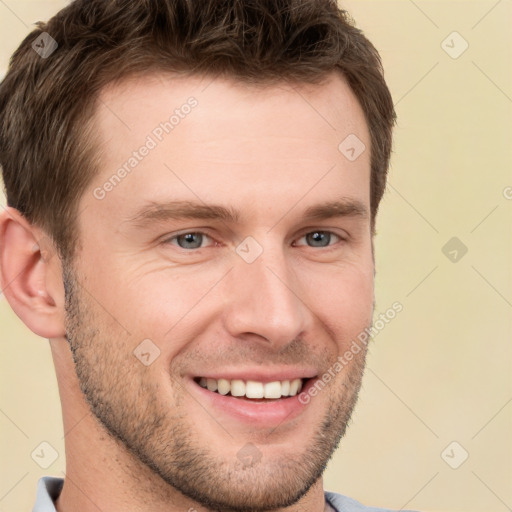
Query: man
pixel 192 191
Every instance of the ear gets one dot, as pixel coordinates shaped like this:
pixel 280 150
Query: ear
pixel 30 275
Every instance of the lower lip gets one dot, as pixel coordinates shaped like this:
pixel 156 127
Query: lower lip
pixel 271 413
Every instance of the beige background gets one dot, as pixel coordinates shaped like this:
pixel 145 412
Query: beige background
pixel 441 370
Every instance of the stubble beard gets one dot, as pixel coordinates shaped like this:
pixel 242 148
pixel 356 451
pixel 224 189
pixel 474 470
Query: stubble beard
pixel 126 402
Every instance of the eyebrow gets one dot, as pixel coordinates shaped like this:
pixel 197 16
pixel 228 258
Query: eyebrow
pixel 180 210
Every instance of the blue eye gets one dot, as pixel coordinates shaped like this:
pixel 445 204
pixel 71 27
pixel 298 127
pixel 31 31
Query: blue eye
pixel 189 240
pixel 319 238
pixel 197 240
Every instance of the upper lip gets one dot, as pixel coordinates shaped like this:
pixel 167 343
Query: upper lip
pixel 259 374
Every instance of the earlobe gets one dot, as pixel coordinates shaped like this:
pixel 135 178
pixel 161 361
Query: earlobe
pixel 29 275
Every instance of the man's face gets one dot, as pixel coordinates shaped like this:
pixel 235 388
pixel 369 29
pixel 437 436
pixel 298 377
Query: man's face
pixel 159 301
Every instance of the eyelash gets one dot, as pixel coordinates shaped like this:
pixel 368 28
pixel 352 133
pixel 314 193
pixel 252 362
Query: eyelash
pixel 175 237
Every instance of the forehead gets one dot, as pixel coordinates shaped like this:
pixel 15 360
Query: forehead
pixel 142 104
pixel 168 137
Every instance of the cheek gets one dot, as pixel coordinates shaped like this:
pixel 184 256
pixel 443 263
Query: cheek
pixel 343 300
pixel 167 307
pixel 144 294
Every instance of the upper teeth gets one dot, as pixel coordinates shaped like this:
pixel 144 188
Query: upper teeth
pixel 253 389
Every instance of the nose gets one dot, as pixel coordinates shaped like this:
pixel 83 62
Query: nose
pixel 265 301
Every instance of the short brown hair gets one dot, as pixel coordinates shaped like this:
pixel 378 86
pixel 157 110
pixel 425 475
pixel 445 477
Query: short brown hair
pixel 46 104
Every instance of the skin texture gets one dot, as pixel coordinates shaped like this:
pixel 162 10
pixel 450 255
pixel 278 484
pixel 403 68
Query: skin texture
pixel 143 437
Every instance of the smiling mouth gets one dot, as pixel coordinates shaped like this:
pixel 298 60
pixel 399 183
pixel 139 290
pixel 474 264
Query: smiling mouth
pixel 251 389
